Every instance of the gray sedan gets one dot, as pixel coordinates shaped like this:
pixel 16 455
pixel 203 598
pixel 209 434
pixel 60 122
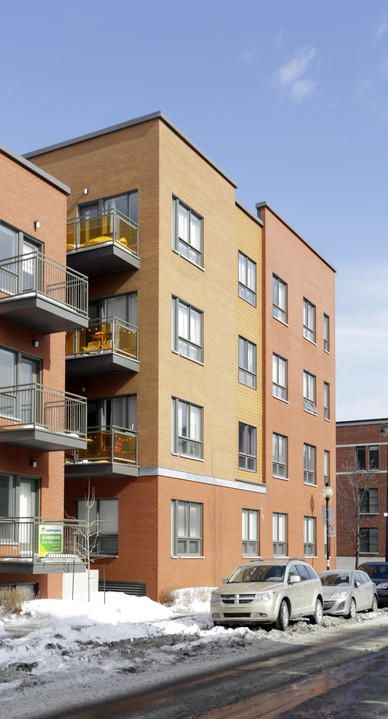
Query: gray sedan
pixel 347 592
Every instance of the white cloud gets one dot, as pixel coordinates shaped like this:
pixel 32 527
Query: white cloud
pixel 382 25
pixel 291 75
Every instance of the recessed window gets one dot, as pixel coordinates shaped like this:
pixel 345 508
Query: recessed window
pixel 361 458
pixel 373 456
pixel 187 232
pixel 369 501
pixel 247 363
pixel 24 272
pixel 186 330
pixel 119 412
pixel 279 449
pixel 250 533
pixel 186 528
pixel 279 377
pixel 20 374
pixel 308 320
pixel 186 430
pixel 309 464
pixel 369 540
pixel 124 204
pixel 309 534
pixel 101 525
pixel 279 298
pixel 247 447
pixel 247 279
pixel 279 533
pixel 309 392
pixel 326 467
pixel 326 333
pixel 326 400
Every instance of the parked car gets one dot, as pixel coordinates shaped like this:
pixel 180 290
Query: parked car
pixel 378 572
pixel 347 592
pixel 268 592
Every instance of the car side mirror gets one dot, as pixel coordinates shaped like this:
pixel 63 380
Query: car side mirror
pixel 294 579
pixel 357 584
pixel 224 580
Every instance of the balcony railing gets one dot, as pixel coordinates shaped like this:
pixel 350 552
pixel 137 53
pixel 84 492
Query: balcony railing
pixel 111 445
pixel 36 406
pixel 37 539
pixel 108 335
pixel 107 227
pixel 36 274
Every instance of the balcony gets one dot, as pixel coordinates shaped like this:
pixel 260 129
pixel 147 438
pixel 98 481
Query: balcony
pixel 36 417
pixel 32 545
pixel 103 244
pixel 40 293
pixel 110 452
pixel 106 347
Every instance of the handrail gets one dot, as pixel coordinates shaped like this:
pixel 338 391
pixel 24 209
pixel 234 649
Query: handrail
pixel 36 405
pixel 108 334
pixel 113 444
pixel 109 226
pixel 22 538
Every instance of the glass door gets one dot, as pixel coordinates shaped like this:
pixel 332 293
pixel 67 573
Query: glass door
pixel 25 510
pixel 28 396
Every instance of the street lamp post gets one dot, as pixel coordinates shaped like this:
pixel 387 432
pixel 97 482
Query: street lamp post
pixel 327 494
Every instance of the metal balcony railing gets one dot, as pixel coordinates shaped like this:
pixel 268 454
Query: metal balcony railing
pixel 107 335
pixel 113 444
pixel 37 538
pixel 34 405
pixel 107 227
pixel 34 273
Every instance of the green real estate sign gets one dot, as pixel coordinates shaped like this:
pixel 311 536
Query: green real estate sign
pixel 50 539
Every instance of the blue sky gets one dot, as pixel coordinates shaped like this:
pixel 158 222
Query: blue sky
pixel 289 97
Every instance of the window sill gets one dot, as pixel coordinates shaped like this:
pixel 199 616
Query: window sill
pixel 314 414
pixel 282 322
pixel 251 556
pixel 312 342
pixel 187 556
pixel 327 352
pixel 179 354
pixel 199 267
pixel 188 456
pixel 248 303
pixel 286 401
pixel 247 385
pixel 277 476
pixel 310 484
pixel 368 514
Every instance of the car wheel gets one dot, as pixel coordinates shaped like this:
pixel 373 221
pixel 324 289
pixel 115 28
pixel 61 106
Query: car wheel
pixel 352 609
pixel 374 605
pixel 283 619
pixel 316 618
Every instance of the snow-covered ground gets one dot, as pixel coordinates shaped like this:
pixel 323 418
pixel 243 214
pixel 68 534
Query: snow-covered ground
pixel 59 654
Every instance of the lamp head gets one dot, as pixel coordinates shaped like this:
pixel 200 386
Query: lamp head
pixel 327 492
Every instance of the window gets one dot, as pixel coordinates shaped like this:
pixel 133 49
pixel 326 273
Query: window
pixel 119 411
pixel 187 232
pixel 279 445
pixel 25 275
pixel 326 467
pixel 247 363
pixel 101 525
pixel 246 279
pixel 326 400
pixel 373 456
pixel 279 529
pixel 19 496
pixel 361 457
pixel 309 464
pixel 186 429
pixel 326 333
pixel 17 369
pixel 250 533
pixel 124 307
pixel 186 528
pixel 279 299
pixel 308 320
pixel 309 536
pixel 186 330
pixel 279 377
pixel 125 204
pixel 369 501
pixel 309 392
pixel 247 452
pixel 369 540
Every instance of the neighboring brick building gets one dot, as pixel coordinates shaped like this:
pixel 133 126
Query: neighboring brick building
pixel 177 363
pixel 362 465
pixel 39 299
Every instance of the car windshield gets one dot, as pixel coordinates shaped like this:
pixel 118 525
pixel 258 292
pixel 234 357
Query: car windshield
pixel 262 573
pixel 376 571
pixel 332 580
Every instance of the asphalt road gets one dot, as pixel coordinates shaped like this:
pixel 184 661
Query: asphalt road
pixel 345 677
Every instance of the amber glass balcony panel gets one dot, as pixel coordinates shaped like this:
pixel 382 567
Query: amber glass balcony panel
pixel 106 228
pixel 113 444
pixel 108 335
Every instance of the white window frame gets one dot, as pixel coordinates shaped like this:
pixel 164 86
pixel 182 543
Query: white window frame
pixel 326 333
pixel 309 386
pixel 326 467
pixel 309 536
pixel 326 400
pixel 247 362
pixel 309 320
pixel 247 447
pixel 279 299
pixel 279 376
pixel 279 455
pixel 279 534
pixel 187 346
pixel 186 542
pixel 186 247
pixel 190 443
pixel 309 464
pixel 247 279
pixel 250 532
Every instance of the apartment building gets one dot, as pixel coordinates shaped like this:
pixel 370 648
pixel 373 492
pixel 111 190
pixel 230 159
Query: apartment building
pixel 40 298
pixel 362 482
pixel 179 478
